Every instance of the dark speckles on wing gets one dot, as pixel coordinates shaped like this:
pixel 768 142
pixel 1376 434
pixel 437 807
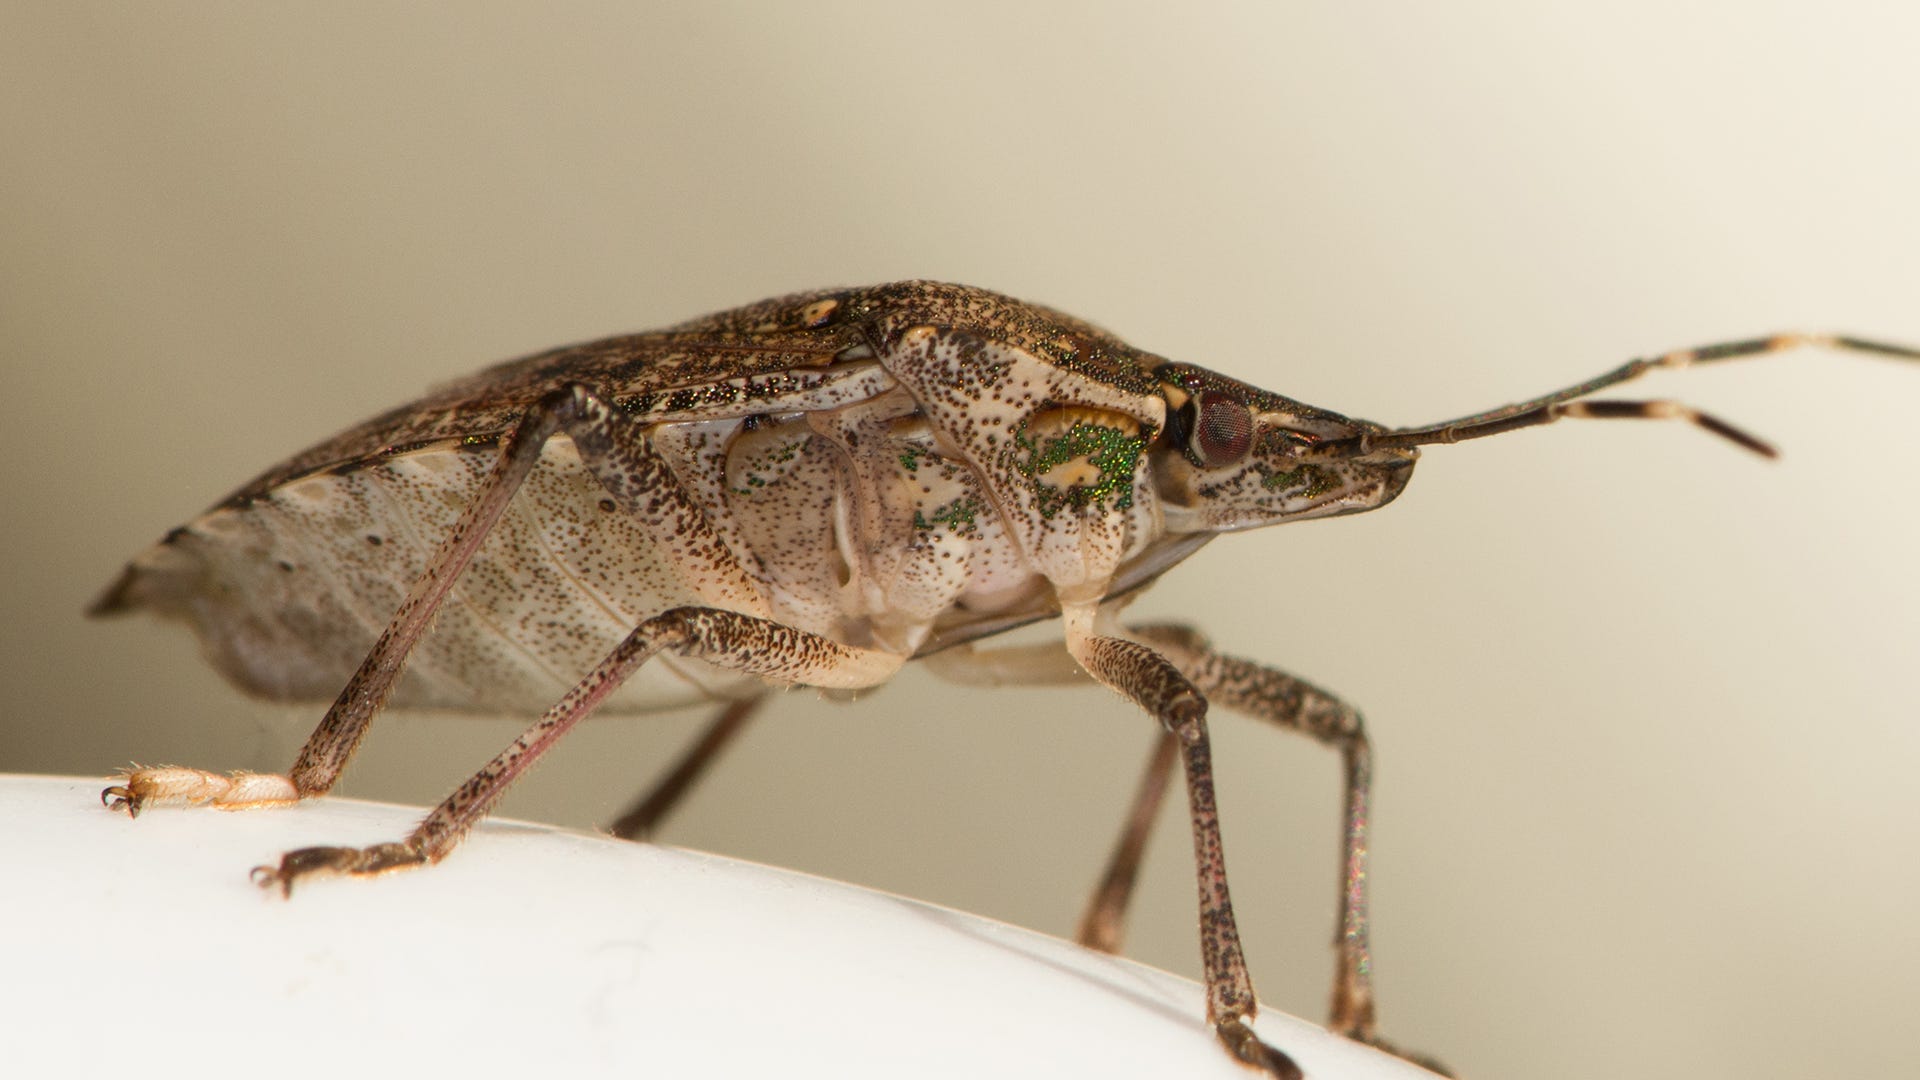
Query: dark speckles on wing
pixel 1072 344
pixel 789 333
pixel 762 339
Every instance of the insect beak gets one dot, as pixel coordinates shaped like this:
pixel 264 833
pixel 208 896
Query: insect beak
pixel 1394 468
pixel 1376 478
pixel 1390 466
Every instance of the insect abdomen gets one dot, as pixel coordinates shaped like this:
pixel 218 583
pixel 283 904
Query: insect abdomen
pixel 288 590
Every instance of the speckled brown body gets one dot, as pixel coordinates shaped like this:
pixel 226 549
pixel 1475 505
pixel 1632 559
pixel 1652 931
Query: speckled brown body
pixel 811 490
pixel 289 579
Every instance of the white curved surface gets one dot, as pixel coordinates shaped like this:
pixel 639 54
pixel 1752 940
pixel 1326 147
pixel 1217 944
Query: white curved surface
pixel 142 947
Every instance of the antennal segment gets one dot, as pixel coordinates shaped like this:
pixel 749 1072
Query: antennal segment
pixel 1550 407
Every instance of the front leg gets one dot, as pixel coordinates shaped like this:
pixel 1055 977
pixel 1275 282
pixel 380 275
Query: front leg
pixel 1276 697
pixel 727 639
pixel 1156 685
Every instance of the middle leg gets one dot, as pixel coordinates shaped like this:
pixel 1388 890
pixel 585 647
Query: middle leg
pixel 639 820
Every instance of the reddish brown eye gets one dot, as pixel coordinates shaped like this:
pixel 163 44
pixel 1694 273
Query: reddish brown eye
pixel 1222 430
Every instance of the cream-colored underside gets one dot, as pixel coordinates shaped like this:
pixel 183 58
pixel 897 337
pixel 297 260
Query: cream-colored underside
pixel 289 591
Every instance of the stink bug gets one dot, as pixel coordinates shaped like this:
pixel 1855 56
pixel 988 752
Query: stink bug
pixel 812 490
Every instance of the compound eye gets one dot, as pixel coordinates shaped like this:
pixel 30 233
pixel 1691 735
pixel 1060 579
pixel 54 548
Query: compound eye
pixel 1222 430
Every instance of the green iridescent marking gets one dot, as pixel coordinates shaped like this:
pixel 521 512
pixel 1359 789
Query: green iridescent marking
pixel 1112 452
pixel 957 516
pixel 1313 479
pixel 781 454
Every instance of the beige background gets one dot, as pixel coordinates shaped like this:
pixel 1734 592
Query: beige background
pixel 1644 704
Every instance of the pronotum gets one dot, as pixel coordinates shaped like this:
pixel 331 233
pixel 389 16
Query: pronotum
pixel 812 490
